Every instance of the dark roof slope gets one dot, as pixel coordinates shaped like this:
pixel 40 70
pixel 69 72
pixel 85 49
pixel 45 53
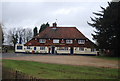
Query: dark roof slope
pixel 61 32
pixel 32 43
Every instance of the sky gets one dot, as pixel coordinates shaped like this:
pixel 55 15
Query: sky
pixel 71 13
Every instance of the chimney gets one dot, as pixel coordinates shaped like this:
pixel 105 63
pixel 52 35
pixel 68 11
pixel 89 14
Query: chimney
pixel 55 24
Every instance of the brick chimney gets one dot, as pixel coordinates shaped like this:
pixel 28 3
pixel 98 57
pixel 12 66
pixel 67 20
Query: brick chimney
pixel 55 24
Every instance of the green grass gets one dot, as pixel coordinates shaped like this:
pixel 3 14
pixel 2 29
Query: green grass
pixel 11 51
pixel 59 71
pixel 108 58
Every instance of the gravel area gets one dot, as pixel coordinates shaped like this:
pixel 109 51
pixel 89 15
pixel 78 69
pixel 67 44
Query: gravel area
pixel 70 60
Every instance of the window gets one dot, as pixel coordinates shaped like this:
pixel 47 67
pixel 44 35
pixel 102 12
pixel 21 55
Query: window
pixel 19 47
pixel 69 41
pixel 34 48
pixel 75 48
pixel 66 48
pixel 81 41
pixel 81 49
pixel 55 40
pixel 28 47
pixel 42 40
pixel 92 49
pixel 62 48
pixel 42 48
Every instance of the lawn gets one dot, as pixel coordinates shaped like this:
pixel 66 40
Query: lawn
pixel 59 71
pixel 108 57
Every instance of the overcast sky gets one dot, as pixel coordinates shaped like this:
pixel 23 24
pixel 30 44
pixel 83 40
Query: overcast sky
pixel 34 13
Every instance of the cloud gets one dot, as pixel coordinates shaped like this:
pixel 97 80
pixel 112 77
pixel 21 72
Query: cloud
pixel 66 11
pixel 31 14
pixel 63 11
pixel 115 0
pixel 55 0
pixel 0 12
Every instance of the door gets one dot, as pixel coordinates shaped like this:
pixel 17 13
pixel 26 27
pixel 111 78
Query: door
pixel 53 50
pixel 49 50
pixel 71 50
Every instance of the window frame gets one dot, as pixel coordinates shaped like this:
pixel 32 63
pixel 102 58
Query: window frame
pixel 28 47
pixel 93 49
pixel 65 48
pixel 81 48
pixel 42 48
pixel 58 41
pixel 42 40
pixel 69 41
pixel 19 48
pixel 81 41
pixel 62 48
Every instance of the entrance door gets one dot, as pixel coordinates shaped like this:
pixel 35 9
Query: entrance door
pixel 53 50
pixel 71 50
pixel 49 50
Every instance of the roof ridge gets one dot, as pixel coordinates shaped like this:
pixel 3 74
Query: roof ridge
pixel 62 27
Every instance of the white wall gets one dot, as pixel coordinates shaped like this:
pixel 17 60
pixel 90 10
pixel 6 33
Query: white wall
pixel 37 49
pixel 19 50
pixel 86 51
pixel 62 51
pixel 76 50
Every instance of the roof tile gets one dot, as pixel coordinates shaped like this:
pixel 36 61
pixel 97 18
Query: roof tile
pixel 61 32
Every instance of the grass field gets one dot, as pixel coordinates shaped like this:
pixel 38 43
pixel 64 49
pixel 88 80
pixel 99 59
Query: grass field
pixel 108 58
pixel 59 71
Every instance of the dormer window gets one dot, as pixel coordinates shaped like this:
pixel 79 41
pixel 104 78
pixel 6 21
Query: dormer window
pixel 62 41
pixel 81 41
pixel 55 40
pixel 42 40
pixel 69 41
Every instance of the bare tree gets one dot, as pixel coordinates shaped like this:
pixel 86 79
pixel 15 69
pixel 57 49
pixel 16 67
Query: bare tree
pixel 25 34
pixel 1 34
pixel 28 34
pixel 19 35
pixel 12 36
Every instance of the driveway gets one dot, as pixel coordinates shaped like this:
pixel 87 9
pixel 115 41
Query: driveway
pixel 66 59
pixel 10 55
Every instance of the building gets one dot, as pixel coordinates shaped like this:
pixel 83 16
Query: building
pixel 59 40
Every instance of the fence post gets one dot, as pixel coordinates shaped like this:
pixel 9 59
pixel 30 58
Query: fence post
pixel 16 76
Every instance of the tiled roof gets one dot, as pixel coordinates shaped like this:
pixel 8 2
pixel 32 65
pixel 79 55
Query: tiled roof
pixel 87 44
pixel 32 43
pixel 61 32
